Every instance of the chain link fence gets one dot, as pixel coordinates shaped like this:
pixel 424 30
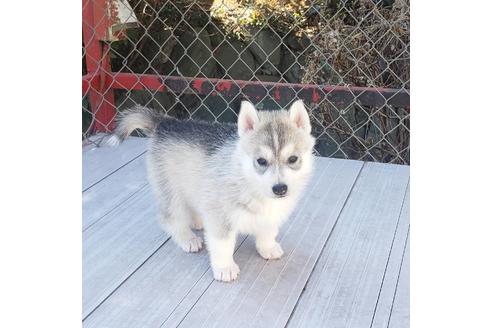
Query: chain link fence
pixel 349 60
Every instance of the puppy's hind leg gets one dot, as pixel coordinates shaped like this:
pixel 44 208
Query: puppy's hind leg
pixel 176 219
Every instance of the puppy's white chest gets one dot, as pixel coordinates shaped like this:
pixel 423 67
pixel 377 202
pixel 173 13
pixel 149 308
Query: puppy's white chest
pixel 260 215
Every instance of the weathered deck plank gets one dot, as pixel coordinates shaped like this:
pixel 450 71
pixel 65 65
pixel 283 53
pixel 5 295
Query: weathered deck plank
pixel 345 284
pixel 112 191
pixel 115 246
pixel 168 285
pixel 99 162
pixel 400 313
pixel 268 290
pixel 393 270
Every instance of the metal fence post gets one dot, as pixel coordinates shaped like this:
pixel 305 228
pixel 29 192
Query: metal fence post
pixel 95 26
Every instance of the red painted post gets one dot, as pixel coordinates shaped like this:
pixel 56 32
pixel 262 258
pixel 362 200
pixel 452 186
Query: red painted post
pixel 95 28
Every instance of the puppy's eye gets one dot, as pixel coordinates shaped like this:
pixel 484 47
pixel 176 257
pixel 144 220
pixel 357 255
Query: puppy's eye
pixel 261 161
pixel 292 159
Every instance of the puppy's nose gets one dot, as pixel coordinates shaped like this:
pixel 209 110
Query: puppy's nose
pixel 279 189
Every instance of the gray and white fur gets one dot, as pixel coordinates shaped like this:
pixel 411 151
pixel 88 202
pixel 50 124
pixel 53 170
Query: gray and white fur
pixel 226 178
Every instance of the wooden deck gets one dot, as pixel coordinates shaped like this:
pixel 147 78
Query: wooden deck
pixel 346 261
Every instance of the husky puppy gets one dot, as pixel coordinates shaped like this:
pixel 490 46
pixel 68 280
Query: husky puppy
pixel 226 178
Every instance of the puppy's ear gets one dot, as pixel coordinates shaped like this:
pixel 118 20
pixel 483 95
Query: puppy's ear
pixel 248 118
pixel 299 115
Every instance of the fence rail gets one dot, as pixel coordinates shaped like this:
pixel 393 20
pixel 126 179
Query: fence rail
pixel 348 60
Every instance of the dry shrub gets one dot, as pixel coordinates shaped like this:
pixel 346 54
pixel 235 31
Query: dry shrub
pixel 363 43
pixel 282 16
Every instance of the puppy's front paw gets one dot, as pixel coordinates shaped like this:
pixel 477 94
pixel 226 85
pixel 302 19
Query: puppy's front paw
pixel 226 274
pixel 270 252
pixel 192 245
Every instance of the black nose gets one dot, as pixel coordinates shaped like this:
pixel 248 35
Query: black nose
pixel 279 189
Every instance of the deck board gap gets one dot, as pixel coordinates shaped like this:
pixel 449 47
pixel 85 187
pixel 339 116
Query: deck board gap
pixel 399 273
pixel 114 171
pixel 390 253
pixel 114 208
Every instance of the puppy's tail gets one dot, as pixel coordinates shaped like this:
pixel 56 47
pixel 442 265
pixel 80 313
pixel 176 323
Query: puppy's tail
pixel 138 117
